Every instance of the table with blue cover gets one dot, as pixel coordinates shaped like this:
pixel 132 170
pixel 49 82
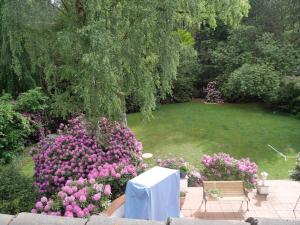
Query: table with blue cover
pixel 153 195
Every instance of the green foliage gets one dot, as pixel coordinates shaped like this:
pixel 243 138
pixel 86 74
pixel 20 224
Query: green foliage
pixel 6 97
pixel 252 82
pixel 295 174
pixel 93 55
pixel 32 101
pixel 17 192
pixel 290 94
pixel 14 128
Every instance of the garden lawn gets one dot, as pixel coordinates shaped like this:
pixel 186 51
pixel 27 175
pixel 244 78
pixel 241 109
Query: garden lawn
pixel 190 130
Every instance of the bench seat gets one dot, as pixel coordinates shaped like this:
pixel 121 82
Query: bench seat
pixel 228 191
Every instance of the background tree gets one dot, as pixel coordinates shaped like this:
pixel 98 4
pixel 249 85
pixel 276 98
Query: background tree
pixel 103 51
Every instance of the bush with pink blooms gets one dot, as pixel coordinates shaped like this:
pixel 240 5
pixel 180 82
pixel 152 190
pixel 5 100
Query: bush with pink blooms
pixel 194 176
pixel 85 197
pixel 75 152
pixel 213 95
pixel 222 166
pixel 80 198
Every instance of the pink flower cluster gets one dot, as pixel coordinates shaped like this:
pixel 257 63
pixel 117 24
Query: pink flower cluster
pixel 80 198
pixel 120 142
pixel 222 166
pixel 194 176
pixel 74 153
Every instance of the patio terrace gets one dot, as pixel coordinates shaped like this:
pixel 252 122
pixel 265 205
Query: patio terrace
pixel 278 204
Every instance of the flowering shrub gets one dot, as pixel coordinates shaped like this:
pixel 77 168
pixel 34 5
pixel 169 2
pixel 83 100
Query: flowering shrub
pixel 295 174
pixel 194 177
pixel 212 93
pixel 119 143
pixel 116 175
pixel 79 198
pixel 222 166
pixel 88 196
pixel 74 153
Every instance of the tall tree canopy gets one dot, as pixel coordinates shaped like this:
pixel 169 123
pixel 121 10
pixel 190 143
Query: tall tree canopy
pixel 93 54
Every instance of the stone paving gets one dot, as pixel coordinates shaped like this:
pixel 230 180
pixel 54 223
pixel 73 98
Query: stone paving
pixel 278 204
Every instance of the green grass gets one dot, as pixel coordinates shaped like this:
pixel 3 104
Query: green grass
pixel 192 129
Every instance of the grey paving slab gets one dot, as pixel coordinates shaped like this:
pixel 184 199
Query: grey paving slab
pixel 38 219
pixel 101 220
pixel 5 219
pixel 188 221
pixel 268 221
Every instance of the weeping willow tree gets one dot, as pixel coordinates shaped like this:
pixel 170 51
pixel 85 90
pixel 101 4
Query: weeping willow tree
pixel 106 50
pixel 24 25
pixel 91 55
pixel 15 73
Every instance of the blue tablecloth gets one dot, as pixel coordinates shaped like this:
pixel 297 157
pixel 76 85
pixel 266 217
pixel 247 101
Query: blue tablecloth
pixel 153 195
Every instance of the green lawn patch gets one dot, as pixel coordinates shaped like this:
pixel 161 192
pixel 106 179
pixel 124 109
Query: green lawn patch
pixel 192 129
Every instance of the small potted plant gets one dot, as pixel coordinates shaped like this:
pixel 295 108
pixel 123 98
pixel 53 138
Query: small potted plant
pixel 182 198
pixel 262 188
pixel 183 171
pixel 214 193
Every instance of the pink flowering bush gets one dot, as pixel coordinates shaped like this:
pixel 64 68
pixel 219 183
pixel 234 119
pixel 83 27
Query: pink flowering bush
pixel 119 143
pixel 88 196
pixel 194 176
pixel 78 198
pixel 75 152
pixel 213 95
pixel 116 175
pixel 222 166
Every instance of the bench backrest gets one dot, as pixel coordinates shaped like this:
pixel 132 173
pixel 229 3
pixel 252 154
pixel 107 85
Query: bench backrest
pixel 226 188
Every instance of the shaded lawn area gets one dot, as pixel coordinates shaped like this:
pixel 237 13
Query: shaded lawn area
pixel 190 130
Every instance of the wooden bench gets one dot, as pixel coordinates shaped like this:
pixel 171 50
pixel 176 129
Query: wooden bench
pixel 228 190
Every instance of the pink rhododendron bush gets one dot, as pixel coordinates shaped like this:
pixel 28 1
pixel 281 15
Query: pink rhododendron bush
pixel 222 166
pixel 75 152
pixel 194 176
pixel 84 197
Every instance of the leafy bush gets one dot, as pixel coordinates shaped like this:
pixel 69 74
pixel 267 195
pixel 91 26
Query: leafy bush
pixel 14 128
pixel 252 82
pixel 194 177
pixel 6 98
pixel 17 192
pixel 75 152
pixel 222 166
pixel 295 174
pixel 32 101
pixel 289 94
pixel 213 95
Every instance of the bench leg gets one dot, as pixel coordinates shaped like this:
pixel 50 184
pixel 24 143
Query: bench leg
pixel 247 205
pixel 205 205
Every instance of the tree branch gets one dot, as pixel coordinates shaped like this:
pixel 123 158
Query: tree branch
pixel 55 7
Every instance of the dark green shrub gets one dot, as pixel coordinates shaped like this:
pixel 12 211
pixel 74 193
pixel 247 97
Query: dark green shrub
pixel 295 174
pixel 32 101
pixel 17 192
pixel 6 98
pixel 14 128
pixel 289 94
pixel 252 82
